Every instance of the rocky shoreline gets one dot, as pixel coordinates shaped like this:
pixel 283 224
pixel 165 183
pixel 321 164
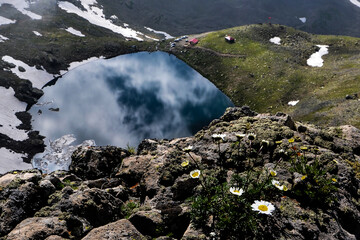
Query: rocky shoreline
pixel 110 193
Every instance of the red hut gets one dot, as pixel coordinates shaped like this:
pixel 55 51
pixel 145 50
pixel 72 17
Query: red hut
pixel 194 41
pixel 229 39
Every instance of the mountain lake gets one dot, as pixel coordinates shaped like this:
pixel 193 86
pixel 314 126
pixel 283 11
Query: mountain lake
pixel 123 100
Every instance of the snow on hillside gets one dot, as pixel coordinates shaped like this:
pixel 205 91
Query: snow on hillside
pixel 38 77
pixel 356 2
pixel 21 6
pixel 167 36
pixel 37 33
pixel 315 59
pixel 303 19
pixel 12 160
pixel 293 103
pixel 3 38
pixel 74 32
pixel 275 40
pixel 9 105
pixel 4 21
pixel 95 15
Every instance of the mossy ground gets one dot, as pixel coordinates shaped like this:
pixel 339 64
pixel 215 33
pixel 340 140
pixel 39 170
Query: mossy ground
pixel 266 76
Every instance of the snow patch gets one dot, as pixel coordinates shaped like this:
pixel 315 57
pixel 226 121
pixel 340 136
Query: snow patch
pixel 9 105
pixel 38 77
pixel 77 64
pixel 114 17
pixel 12 161
pixel 303 19
pixel 293 103
pixel 3 38
pixel 275 40
pixel 96 16
pixel 75 32
pixel 57 155
pixel 37 33
pixel 4 21
pixel 21 6
pixel 167 36
pixel 356 2
pixel 315 59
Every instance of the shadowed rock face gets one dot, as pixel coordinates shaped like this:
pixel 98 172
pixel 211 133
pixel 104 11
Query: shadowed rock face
pixel 322 17
pixel 151 188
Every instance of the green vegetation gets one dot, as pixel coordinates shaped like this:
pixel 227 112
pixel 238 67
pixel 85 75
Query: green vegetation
pixel 242 206
pixel 355 165
pixel 69 183
pixel 130 149
pixel 266 76
pixel 129 208
pixel 315 186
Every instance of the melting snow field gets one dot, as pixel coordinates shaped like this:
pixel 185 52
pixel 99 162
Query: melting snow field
pixel 293 103
pixel 4 21
pixel 12 160
pixel 9 105
pixel 356 2
pixel 167 36
pixel 3 38
pixel 315 59
pixel 75 32
pixel 96 16
pixel 275 40
pixel 37 33
pixel 303 19
pixel 38 77
pixel 21 6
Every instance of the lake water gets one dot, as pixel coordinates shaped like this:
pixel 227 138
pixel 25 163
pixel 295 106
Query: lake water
pixel 121 101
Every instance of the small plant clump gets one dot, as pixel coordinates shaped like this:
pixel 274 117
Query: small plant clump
pixel 239 207
pixel 130 149
pixel 316 185
pixel 129 208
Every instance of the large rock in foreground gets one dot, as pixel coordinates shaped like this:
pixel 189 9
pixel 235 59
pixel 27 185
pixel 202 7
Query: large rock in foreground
pixel 153 189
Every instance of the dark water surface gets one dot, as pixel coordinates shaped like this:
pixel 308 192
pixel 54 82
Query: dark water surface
pixel 123 100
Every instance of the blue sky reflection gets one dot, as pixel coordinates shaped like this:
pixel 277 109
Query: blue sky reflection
pixel 123 100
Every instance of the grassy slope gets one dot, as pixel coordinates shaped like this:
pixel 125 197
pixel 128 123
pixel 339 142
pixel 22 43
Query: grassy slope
pixel 270 75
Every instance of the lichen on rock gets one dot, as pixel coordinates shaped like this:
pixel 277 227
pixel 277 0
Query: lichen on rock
pixel 155 191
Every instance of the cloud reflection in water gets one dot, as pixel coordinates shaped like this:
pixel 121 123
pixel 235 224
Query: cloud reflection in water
pixel 123 100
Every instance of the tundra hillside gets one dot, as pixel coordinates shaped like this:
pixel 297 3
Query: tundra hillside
pixel 255 72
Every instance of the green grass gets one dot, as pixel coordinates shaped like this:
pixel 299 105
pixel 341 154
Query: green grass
pixel 269 76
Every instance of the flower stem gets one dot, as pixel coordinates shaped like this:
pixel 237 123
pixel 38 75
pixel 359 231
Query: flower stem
pixel 196 163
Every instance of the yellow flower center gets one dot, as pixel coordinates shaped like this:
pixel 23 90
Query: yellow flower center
pixel 236 191
pixel 334 180
pixel 273 173
pixel 185 163
pixel 303 177
pixel 195 174
pixel 263 208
